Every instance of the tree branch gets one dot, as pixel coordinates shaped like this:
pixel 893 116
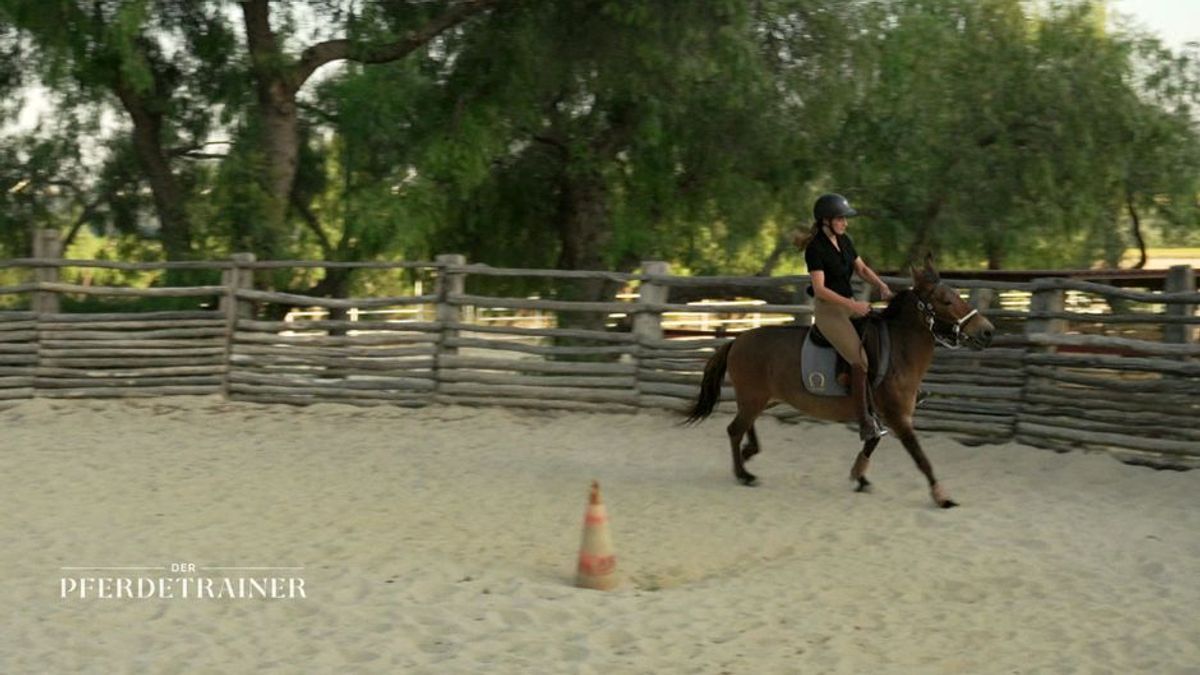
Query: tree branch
pixel 551 141
pixel 204 155
pixel 310 219
pixel 88 209
pixel 782 244
pixel 322 53
pixel 319 112
pixel 70 185
pixel 1137 231
pixel 194 150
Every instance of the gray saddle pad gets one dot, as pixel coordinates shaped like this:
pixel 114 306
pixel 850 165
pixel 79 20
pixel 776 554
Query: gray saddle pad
pixel 819 365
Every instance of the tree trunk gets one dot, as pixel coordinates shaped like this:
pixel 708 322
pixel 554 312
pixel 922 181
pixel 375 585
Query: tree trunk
pixel 995 257
pixel 169 205
pixel 584 230
pixel 922 243
pixel 584 234
pixel 281 152
pixel 277 114
pixel 336 284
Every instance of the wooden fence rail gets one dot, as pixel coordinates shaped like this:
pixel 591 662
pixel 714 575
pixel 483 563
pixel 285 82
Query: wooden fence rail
pixel 1043 382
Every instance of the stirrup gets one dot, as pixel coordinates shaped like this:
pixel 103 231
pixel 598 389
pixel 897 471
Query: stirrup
pixel 873 431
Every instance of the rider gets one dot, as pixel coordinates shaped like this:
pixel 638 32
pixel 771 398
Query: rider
pixel 832 260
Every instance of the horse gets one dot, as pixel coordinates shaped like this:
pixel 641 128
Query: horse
pixel 764 367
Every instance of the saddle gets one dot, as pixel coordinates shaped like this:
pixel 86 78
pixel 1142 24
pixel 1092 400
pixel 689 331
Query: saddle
pixel 826 373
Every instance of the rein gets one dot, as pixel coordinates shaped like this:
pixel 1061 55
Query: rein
pixel 951 340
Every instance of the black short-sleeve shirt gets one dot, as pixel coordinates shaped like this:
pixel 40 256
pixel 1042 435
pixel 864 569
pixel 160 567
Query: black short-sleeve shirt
pixel 838 266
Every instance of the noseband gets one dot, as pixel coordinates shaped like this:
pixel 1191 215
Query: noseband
pixel 947 333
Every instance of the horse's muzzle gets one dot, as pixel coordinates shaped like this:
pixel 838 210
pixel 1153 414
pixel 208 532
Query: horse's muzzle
pixel 981 338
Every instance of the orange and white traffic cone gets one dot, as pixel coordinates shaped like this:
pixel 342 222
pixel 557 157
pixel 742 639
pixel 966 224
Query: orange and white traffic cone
pixel 597 563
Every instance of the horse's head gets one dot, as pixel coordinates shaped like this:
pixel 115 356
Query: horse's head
pixel 951 320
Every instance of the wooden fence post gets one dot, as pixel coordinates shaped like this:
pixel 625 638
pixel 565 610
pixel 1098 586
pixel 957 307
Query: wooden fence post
pixel 647 323
pixel 1047 300
pixel 233 279
pixel 46 245
pixel 234 309
pixel 448 284
pixel 1044 300
pixel 1180 279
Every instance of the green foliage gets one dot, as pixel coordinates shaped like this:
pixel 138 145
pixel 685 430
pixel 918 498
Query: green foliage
pixel 992 135
pixel 635 126
pixel 600 133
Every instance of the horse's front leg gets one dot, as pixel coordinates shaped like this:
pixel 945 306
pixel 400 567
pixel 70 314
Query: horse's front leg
pixel 751 447
pixel 859 470
pixel 909 438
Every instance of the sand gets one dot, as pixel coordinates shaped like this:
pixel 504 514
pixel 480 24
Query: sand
pixel 444 539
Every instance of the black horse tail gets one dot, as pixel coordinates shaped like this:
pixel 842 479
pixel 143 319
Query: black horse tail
pixel 710 385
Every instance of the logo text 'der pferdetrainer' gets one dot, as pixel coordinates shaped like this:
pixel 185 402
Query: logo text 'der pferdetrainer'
pixel 195 586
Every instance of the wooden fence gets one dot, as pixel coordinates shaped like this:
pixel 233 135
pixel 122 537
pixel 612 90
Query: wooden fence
pixel 1063 373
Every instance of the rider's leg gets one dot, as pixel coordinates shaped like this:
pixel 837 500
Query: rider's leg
pixel 860 390
pixel 834 322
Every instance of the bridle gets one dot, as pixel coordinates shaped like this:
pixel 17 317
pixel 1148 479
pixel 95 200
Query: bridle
pixel 947 333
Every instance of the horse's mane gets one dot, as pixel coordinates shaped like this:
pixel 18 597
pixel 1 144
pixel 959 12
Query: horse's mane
pixel 896 304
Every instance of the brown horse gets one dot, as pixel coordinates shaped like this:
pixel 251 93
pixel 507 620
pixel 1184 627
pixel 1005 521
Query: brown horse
pixel 764 368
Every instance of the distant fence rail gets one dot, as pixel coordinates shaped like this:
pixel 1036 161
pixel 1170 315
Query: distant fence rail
pixel 1061 374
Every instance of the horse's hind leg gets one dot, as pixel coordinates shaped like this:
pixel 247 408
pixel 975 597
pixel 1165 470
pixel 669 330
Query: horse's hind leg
pixel 741 424
pixel 858 472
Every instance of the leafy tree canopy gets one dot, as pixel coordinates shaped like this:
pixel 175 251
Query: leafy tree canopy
pixel 597 133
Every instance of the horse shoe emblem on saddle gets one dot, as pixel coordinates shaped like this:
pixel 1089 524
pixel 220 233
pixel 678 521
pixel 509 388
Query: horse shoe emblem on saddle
pixel 816 381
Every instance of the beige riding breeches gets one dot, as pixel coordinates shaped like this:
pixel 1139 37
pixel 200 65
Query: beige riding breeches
pixel 834 321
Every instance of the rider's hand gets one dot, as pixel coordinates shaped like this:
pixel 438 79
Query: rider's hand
pixel 860 308
pixel 885 293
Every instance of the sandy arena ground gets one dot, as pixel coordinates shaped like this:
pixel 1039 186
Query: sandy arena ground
pixel 443 540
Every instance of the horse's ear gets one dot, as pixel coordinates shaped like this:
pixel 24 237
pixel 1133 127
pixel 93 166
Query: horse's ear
pixel 930 273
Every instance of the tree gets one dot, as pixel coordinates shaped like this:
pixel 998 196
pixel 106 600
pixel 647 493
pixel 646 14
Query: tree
pixel 96 53
pixel 389 33
pixel 1162 175
pixel 592 135
pixel 175 97
pixel 997 135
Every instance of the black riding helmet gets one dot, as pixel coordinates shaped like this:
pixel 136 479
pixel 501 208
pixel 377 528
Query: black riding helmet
pixel 832 206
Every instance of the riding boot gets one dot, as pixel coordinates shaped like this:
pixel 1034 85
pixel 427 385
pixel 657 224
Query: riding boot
pixel 868 426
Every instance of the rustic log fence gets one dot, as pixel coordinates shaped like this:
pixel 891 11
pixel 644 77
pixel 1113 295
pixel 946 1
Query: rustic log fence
pixel 1060 381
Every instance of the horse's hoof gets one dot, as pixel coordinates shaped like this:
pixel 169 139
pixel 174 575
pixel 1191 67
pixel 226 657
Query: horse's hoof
pixel 940 498
pixel 749 480
pixel 861 484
